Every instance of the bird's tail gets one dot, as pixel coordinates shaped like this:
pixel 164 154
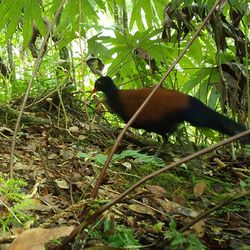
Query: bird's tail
pixel 198 114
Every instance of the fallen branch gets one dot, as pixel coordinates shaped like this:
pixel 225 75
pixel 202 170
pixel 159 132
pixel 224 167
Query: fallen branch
pixel 26 119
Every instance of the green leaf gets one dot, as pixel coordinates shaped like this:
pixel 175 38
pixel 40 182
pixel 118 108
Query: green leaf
pixel 136 15
pixel 95 47
pixel 101 159
pixel 122 56
pixel 213 98
pixel 27 22
pixel 10 12
pixel 203 91
pixel 38 17
pixel 6 11
pixel 189 85
pixel 179 240
pixel 148 12
pixel 12 25
pixel 68 25
pixel 101 4
pixel 89 10
pixel 159 7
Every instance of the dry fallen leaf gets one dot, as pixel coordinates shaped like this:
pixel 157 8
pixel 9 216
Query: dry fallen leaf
pixel 157 190
pixel 199 188
pixel 74 130
pixel 52 156
pixel 179 200
pixel 140 209
pixel 34 239
pixel 127 165
pixel 170 206
pixel 67 154
pixel 199 228
pixel 62 184
pixel 21 166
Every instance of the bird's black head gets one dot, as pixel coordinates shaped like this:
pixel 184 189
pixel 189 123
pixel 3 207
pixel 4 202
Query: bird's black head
pixel 104 84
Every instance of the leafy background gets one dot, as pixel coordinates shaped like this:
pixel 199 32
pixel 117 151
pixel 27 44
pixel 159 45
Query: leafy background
pixel 134 42
pixel 112 31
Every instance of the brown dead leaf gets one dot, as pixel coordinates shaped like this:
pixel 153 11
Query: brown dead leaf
pixel 140 209
pixel 233 219
pixel 62 184
pixel 109 149
pixel 131 221
pixel 95 64
pixel 156 190
pixel 52 156
pixel 6 131
pixel 199 188
pixel 199 228
pixel 35 129
pixel 74 130
pixel 127 165
pixel 17 230
pixel 173 207
pixel 21 166
pixel 82 137
pixel 39 237
pixel 179 200
pixel 67 154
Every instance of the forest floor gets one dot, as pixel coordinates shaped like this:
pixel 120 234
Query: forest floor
pixel 61 167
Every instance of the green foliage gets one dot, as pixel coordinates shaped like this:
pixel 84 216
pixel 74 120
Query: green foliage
pixel 14 203
pixel 11 189
pixel 11 13
pixel 247 149
pixel 142 164
pixel 115 235
pixel 245 184
pixel 122 237
pixel 138 157
pixel 181 241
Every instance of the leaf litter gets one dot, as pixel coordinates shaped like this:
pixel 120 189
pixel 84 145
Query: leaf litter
pixel 61 168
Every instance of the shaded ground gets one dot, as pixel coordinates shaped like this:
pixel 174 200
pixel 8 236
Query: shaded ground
pixel 61 166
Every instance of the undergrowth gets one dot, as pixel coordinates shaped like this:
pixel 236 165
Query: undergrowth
pixel 114 234
pixel 15 204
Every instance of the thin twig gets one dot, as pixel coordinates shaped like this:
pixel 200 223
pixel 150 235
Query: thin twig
pixel 215 208
pixel 36 67
pixel 82 63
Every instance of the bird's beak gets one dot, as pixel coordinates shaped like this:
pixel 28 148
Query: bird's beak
pixel 93 91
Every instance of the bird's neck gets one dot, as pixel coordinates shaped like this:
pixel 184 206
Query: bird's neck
pixel 112 96
pixel 111 92
pixel 114 102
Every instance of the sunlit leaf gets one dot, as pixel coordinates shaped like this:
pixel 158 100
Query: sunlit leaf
pixel 38 17
pixel 27 22
pixel 13 23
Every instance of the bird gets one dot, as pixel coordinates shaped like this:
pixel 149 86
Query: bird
pixel 165 110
